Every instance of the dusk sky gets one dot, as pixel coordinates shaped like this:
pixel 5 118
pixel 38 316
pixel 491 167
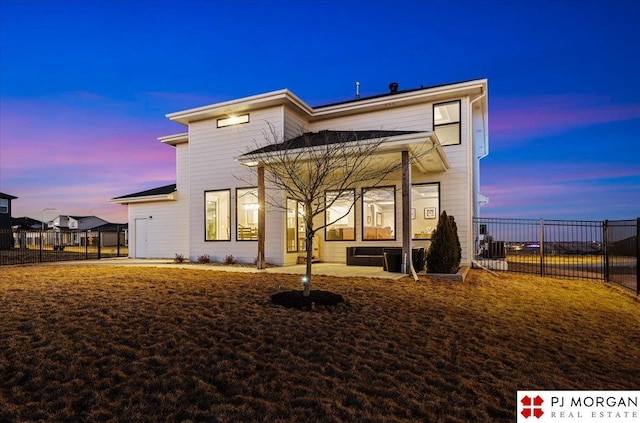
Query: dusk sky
pixel 85 86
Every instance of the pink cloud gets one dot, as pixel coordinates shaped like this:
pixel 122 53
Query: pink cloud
pixel 564 172
pixel 546 115
pixel 567 191
pixel 75 159
pixel 68 136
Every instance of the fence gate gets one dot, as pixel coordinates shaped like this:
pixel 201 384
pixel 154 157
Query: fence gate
pixel 563 248
pixel 622 238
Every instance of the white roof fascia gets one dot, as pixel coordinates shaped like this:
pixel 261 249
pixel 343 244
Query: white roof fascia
pixel 145 199
pixel 284 96
pixel 260 101
pixel 414 96
pixel 175 139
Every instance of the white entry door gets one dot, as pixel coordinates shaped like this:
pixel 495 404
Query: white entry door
pixel 141 238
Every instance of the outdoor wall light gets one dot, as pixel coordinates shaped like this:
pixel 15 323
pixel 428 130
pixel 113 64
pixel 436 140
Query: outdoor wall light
pixel 233 120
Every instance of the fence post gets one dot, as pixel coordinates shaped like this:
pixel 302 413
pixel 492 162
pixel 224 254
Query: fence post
pixel 99 243
pixel 605 237
pixel 41 239
pixel 637 256
pixel 86 244
pixel 117 240
pixel 541 247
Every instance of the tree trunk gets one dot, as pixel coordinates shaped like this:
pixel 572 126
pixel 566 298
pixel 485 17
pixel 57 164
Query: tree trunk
pixel 309 246
pixel 307 277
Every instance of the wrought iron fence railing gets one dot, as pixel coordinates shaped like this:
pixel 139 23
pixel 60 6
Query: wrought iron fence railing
pixel 38 246
pixel 604 250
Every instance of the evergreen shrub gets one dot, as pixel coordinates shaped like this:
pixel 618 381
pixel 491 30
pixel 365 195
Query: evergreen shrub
pixel 444 253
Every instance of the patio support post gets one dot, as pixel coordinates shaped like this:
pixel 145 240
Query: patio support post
pixel 407 257
pixel 260 263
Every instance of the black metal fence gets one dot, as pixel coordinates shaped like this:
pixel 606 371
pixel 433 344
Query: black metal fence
pixel 39 246
pixel 604 250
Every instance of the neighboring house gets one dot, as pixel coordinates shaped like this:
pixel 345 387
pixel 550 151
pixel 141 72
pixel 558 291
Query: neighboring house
pixel 6 238
pixel 80 230
pixel 210 210
pixel 5 210
pixel 25 223
pixel 26 231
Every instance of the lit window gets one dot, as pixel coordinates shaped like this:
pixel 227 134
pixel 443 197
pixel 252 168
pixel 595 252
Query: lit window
pixel 446 122
pixel 247 214
pixel 425 209
pixel 232 120
pixel 217 215
pixel 296 240
pixel 379 213
pixel 340 216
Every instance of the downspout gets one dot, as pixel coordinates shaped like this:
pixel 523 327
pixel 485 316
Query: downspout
pixel 478 154
pixel 484 125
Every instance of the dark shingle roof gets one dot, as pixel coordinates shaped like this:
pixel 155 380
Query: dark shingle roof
pixel 7 196
pixel 167 189
pixel 313 139
pixel 393 93
pixel 25 222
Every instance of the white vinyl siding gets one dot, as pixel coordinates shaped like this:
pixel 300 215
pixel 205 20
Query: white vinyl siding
pixel 213 167
pixel 165 228
pixel 408 118
pixel 294 124
pixel 207 163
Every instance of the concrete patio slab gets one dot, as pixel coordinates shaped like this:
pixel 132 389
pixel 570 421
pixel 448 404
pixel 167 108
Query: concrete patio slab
pixel 325 269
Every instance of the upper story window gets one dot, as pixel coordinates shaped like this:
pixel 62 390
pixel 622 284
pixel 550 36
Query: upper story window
pixel 247 214
pixel 217 215
pixel 379 213
pixel 4 205
pixel 340 216
pixel 232 120
pixel 446 122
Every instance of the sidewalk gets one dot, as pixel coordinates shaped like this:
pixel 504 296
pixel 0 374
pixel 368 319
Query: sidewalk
pixel 326 269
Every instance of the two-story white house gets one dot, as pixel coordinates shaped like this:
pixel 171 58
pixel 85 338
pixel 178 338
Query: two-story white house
pixel 213 210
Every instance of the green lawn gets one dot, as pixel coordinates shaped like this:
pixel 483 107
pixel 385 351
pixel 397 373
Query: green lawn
pixel 99 343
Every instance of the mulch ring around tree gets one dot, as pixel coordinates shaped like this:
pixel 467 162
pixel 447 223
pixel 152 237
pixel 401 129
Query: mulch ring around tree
pixel 297 300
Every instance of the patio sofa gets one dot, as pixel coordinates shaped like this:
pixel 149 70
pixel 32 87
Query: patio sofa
pixel 374 256
pixel 365 256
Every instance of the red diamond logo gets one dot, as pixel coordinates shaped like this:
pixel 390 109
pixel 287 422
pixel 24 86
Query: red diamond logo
pixel 532 407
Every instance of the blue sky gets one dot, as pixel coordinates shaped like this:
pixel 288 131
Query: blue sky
pixel 85 85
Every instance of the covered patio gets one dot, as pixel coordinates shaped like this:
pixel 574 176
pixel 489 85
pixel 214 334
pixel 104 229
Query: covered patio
pixel 402 149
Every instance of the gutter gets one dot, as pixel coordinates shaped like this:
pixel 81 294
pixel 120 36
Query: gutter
pixel 485 140
pixel 479 200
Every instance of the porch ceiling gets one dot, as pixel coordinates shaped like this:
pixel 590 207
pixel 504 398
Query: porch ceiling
pixel 424 148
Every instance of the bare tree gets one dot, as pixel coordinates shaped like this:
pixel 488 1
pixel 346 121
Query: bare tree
pixel 306 167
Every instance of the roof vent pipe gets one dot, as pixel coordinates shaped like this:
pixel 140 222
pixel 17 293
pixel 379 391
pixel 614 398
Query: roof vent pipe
pixel 357 90
pixel 393 87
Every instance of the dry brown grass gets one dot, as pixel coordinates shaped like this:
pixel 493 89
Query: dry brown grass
pixel 96 343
